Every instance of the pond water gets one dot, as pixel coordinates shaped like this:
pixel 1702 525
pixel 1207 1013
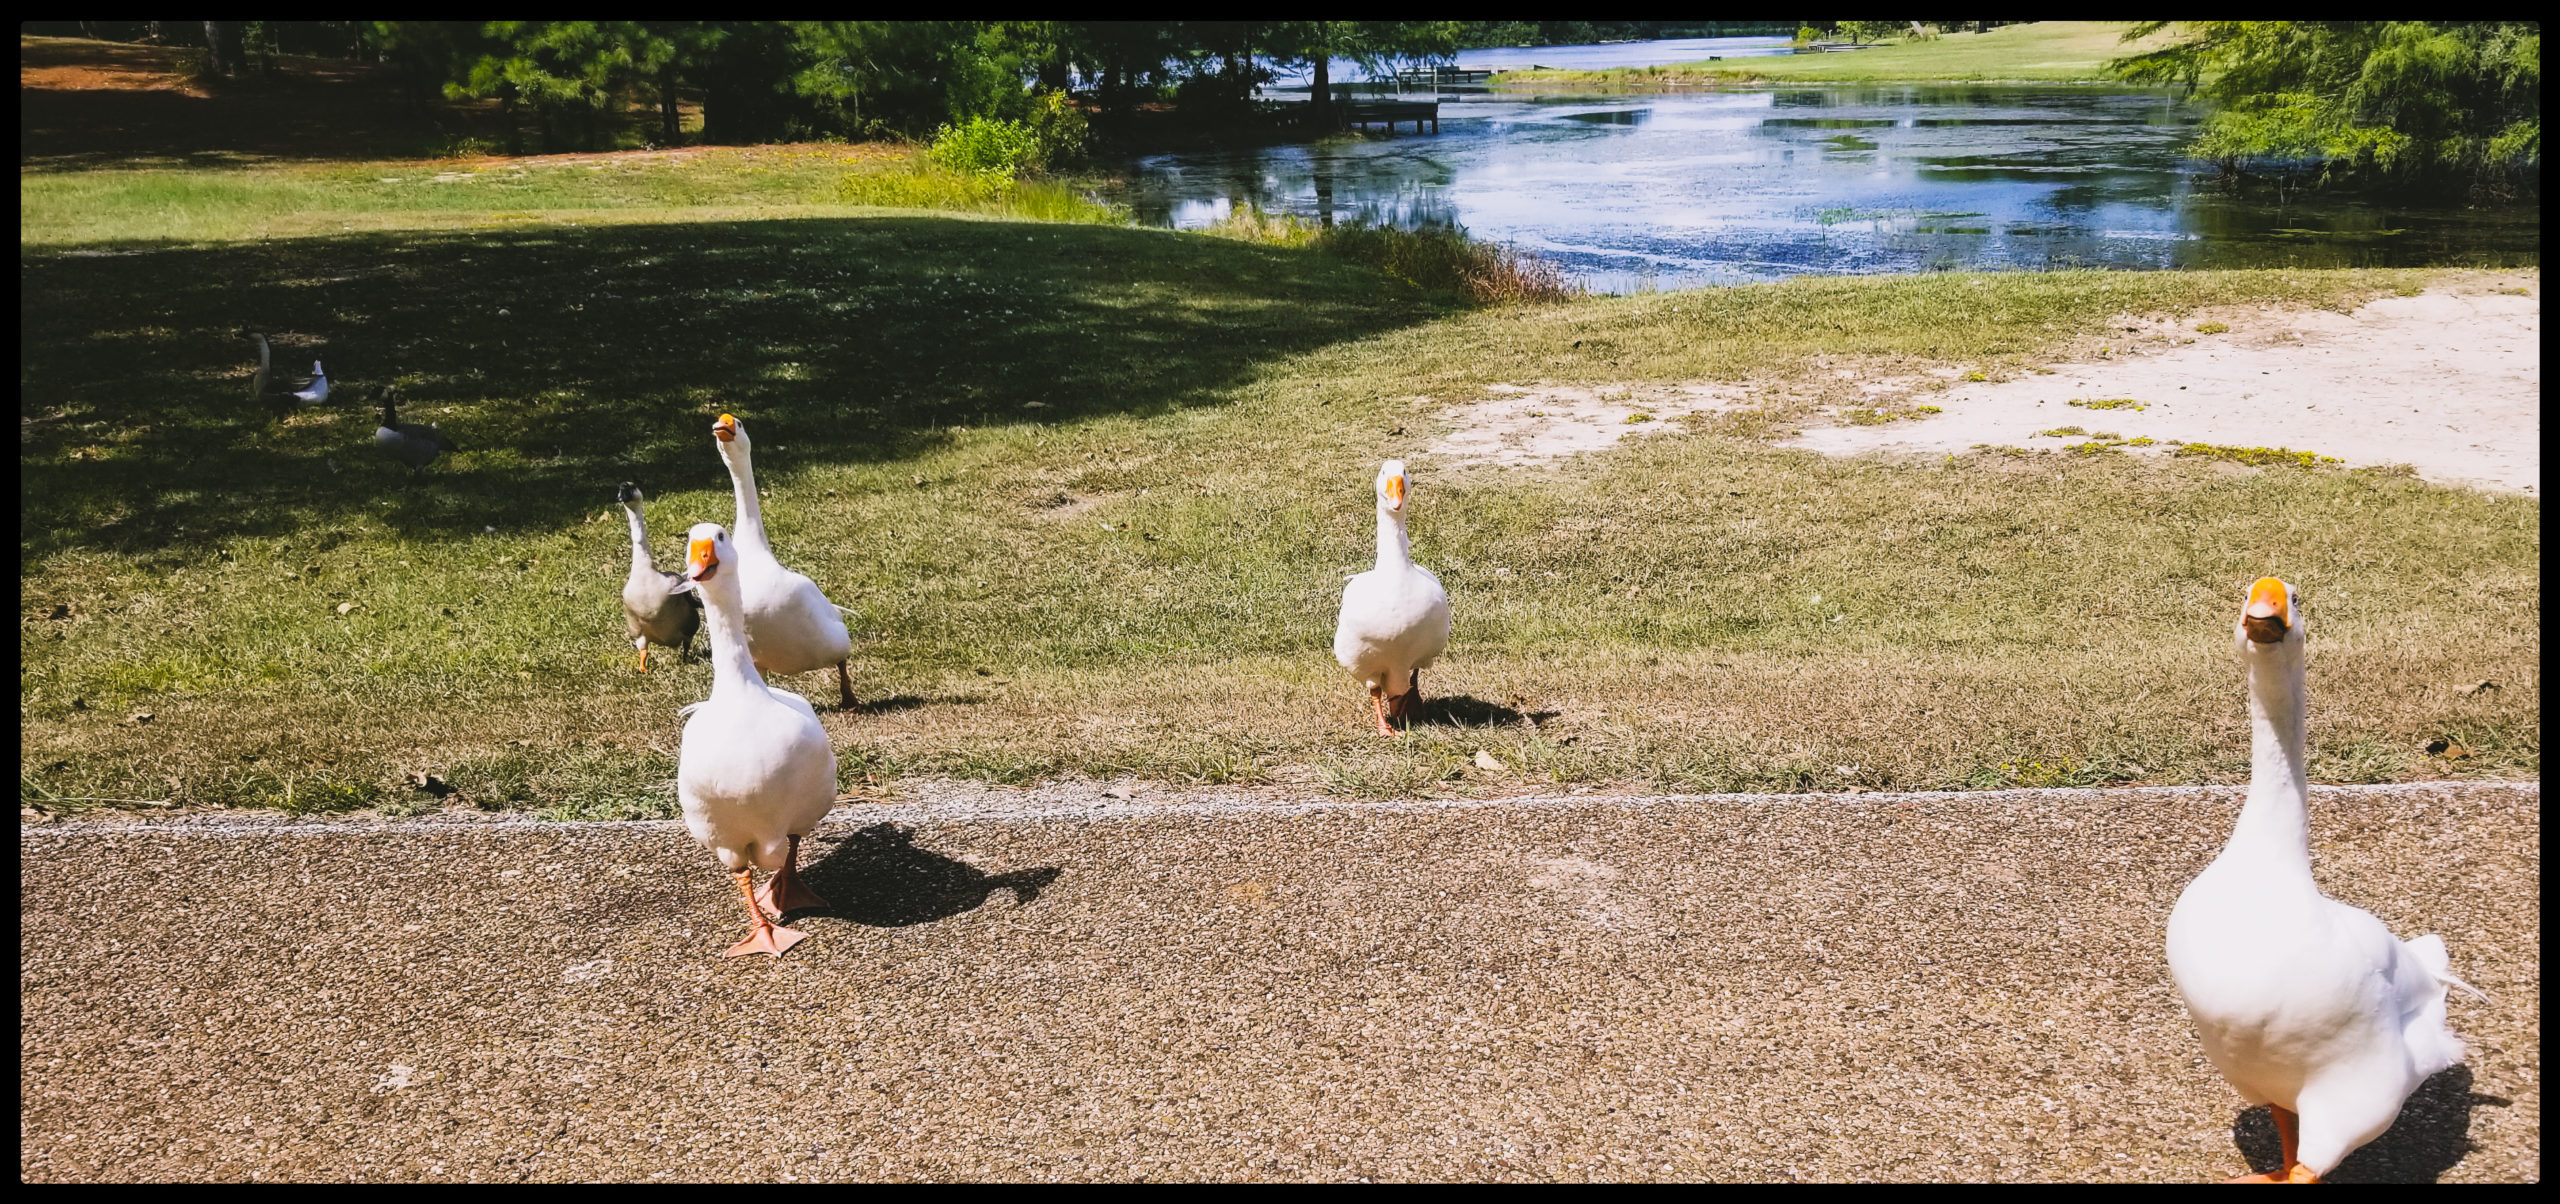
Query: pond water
pixel 1629 193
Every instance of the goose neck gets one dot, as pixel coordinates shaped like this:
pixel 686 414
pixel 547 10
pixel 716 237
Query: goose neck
pixel 749 531
pixel 2276 821
pixel 732 668
pixel 1395 547
pixel 640 558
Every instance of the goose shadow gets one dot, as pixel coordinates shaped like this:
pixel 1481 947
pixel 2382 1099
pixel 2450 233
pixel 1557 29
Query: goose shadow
pixel 878 876
pixel 2431 1136
pixel 1466 710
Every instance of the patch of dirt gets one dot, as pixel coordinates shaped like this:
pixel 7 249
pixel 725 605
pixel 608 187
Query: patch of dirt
pixel 2448 382
pixel 1523 424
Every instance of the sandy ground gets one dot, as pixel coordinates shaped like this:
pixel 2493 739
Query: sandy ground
pixel 1520 424
pixel 1073 983
pixel 2448 382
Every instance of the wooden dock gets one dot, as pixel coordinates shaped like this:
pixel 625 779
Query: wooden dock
pixel 1361 113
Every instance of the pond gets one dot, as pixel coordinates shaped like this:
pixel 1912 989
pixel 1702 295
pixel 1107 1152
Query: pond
pixel 1629 193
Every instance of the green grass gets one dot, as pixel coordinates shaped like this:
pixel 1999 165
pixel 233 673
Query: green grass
pixel 1090 492
pixel 152 205
pixel 2043 52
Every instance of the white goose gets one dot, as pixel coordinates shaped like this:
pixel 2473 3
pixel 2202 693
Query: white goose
pixel 790 624
pixel 656 608
pixel 755 772
pixel 1395 617
pixel 258 379
pixel 2305 1004
pixel 315 392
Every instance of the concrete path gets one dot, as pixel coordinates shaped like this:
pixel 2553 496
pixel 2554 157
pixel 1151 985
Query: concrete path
pixel 1069 986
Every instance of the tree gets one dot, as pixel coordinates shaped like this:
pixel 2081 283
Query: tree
pixel 1861 33
pixel 1372 44
pixel 2407 103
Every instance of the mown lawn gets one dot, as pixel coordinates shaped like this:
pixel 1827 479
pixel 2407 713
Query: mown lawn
pixel 2039 52
pixel 1090 492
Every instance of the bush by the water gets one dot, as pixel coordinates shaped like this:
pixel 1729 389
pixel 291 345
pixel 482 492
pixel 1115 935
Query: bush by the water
pixel 1053 134
pixel 1437 257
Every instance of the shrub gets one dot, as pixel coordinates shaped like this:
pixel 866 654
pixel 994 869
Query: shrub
pixel 1445 259
pixel 983 146
pixel 1807 35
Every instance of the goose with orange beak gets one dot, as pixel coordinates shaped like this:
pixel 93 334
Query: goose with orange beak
pixel 2306 1004
pixel 755 773
pixel 1395 617
pixel 791 627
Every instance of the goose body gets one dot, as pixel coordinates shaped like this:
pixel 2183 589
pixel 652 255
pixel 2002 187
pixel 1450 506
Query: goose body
pixel 791 627
pixel 258 379
pixel 656 609
pixel 2304 1003
pixel 1395 617
pixel 315 392
pixel 414 444
pixel 755 773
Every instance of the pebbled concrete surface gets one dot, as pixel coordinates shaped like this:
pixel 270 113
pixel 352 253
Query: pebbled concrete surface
pixel 1063 985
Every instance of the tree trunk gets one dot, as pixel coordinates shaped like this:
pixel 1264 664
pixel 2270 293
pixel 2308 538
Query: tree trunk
pixel 670 124
pixel 213 38
pixel 507 113
pixel 1323 99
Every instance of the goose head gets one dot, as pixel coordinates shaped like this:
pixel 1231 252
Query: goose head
pixel 730 434
pixel 708 555
pixel 1392 485
pixel 316 373
pixel 390 406
pixel 629 495
pixel 2270 621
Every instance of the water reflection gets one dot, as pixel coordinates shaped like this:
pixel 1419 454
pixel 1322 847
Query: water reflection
pixel 1631 192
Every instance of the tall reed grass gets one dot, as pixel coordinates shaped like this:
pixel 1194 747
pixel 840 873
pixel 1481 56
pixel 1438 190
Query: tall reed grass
pixel 1437 258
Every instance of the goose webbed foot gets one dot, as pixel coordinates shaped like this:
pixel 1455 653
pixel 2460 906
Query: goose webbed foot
pixel 786 891
pixel 2289 1136
pixel 763 935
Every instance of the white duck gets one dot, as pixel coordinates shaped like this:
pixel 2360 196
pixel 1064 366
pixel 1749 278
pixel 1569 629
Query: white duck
pixel 258 379
pixel 755 772
pixel 1395 617
pixel 2305 1004
pixel 790 624
pixel 655 607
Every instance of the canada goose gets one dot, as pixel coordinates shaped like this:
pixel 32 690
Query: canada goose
pixel 414 444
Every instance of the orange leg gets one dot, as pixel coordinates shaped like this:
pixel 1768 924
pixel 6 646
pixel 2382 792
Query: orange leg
pixel 644 658
pixel 786 893
pixel 763 936
pixel 844 685
pixel 2288 1135
pixel 1378 707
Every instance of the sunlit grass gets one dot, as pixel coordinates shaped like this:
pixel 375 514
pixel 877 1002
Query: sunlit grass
pixel 2044 52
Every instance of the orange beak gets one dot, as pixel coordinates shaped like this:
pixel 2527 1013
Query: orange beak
pixel 1395 493
pixel 2269 613
pixel 726 428
pixel 702 563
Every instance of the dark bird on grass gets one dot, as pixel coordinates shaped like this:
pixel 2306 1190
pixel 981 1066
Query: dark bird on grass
pixel 416 444
pixel 656 606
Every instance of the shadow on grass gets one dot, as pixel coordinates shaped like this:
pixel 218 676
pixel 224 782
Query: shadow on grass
pixel 565 359
pixel 2431 1136
pixel 1462 710
pixel 878 877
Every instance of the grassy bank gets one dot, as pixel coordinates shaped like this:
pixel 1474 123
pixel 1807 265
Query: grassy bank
pixel 286 200
pixel 2042 52
pixel 1090 493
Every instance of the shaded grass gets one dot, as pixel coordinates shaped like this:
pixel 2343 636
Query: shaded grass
pixel 1090 493
pixel 2044 51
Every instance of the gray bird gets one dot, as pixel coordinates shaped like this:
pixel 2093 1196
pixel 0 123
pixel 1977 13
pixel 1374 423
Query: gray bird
pixel 317 391
pixel 653 609
pixel 412 443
